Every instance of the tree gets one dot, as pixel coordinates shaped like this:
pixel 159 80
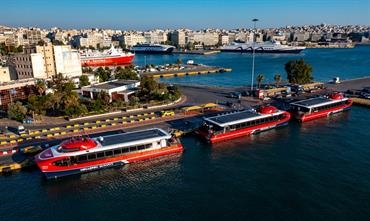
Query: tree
pixel 103 74
pixel 76 111
pixel 179 62
pixel 57 42
pixel 40 87
pixel 17 111
pixel 36 104
pixel 84 81
pixel 148 85
pixel 277 78
pixel 190 46
pixel 298 72
pixel 134 100
pixel 127 73
pixel 259 79
pixel 104 96
pixel 57 82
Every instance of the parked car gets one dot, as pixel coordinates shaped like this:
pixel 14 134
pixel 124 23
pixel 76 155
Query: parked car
pixel 365 95
pixel 235 95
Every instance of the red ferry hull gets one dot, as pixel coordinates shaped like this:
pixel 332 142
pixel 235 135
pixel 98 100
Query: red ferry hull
pixel 324 113
pixel 107 61
pixel 52 172
pixel 245 131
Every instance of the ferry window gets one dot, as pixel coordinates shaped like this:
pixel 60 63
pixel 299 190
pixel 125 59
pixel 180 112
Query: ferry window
pixel 91 156
pixel 100 154
pixel 108 153
pixel 148 146
pixel 63 162
pixel 133 148
pixel 82 158
pixel 125 150
pixel 141 147
pixel 117 151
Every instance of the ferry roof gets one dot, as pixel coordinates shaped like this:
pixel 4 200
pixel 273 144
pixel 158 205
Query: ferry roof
pixel 134 136
pixel 237 117
pixel 121 140
pixel 315 102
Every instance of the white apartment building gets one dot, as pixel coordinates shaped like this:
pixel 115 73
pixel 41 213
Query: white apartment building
pixel 131 39
pixel 67 61
pixel 4 75
pixel 178 38
pixel 224 39
pixel 38 66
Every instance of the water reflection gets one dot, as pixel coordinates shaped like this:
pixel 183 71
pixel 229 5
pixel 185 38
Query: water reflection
pixel 113 179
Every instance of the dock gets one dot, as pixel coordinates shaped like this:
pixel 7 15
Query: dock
pixel 8 165
pixel 185 72
pixel 361 101
pixel 198 52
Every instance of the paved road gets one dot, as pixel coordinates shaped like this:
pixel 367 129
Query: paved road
pixel 355 84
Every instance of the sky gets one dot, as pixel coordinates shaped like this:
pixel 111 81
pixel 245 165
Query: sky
pixel 193 14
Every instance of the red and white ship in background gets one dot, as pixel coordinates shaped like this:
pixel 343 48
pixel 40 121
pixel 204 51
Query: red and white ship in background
pixel 84 154
pixel 111 57
pixel 242 123
pixel 313 108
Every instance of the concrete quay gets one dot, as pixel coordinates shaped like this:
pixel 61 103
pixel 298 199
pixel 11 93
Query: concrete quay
pixel 352 84
pixel 194 70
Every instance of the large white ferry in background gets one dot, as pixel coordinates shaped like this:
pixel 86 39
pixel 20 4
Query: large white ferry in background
pixel 111 57
pixel 152 49
pixel 265 47
pixel 84 154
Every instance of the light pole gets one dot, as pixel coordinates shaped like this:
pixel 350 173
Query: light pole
pixel 254 32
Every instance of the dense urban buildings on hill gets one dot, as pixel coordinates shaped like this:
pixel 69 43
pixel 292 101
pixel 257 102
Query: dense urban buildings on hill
pixel 102 38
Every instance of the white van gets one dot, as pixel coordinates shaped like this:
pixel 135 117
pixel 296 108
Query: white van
pixel 21 129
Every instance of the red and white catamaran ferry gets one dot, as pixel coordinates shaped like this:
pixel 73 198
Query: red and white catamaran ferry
pixel 313 108
pixel 241 123
pixel 83 154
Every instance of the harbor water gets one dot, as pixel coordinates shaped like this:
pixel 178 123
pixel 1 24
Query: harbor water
pixel 319 170
pixel 326 63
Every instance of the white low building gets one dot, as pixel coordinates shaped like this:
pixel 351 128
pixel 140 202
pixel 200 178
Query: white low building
pixel 116 89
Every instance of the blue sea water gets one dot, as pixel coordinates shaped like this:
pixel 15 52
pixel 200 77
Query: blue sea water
pixel 326 64
pixel 319 170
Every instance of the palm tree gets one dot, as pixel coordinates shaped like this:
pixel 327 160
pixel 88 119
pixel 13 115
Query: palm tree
pixel 277 79
pixel 40 87
pixel 259 79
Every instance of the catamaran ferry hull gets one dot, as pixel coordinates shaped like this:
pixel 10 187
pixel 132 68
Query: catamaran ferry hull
pixel 83 154
pixel 55 172
pixel 326 113
pixel 244 123
pixel 314 108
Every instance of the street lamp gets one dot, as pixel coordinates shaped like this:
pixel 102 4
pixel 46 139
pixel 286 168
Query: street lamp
pixel 253 48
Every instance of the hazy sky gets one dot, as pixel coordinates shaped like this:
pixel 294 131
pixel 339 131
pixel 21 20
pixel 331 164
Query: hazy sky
pixel 195 14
